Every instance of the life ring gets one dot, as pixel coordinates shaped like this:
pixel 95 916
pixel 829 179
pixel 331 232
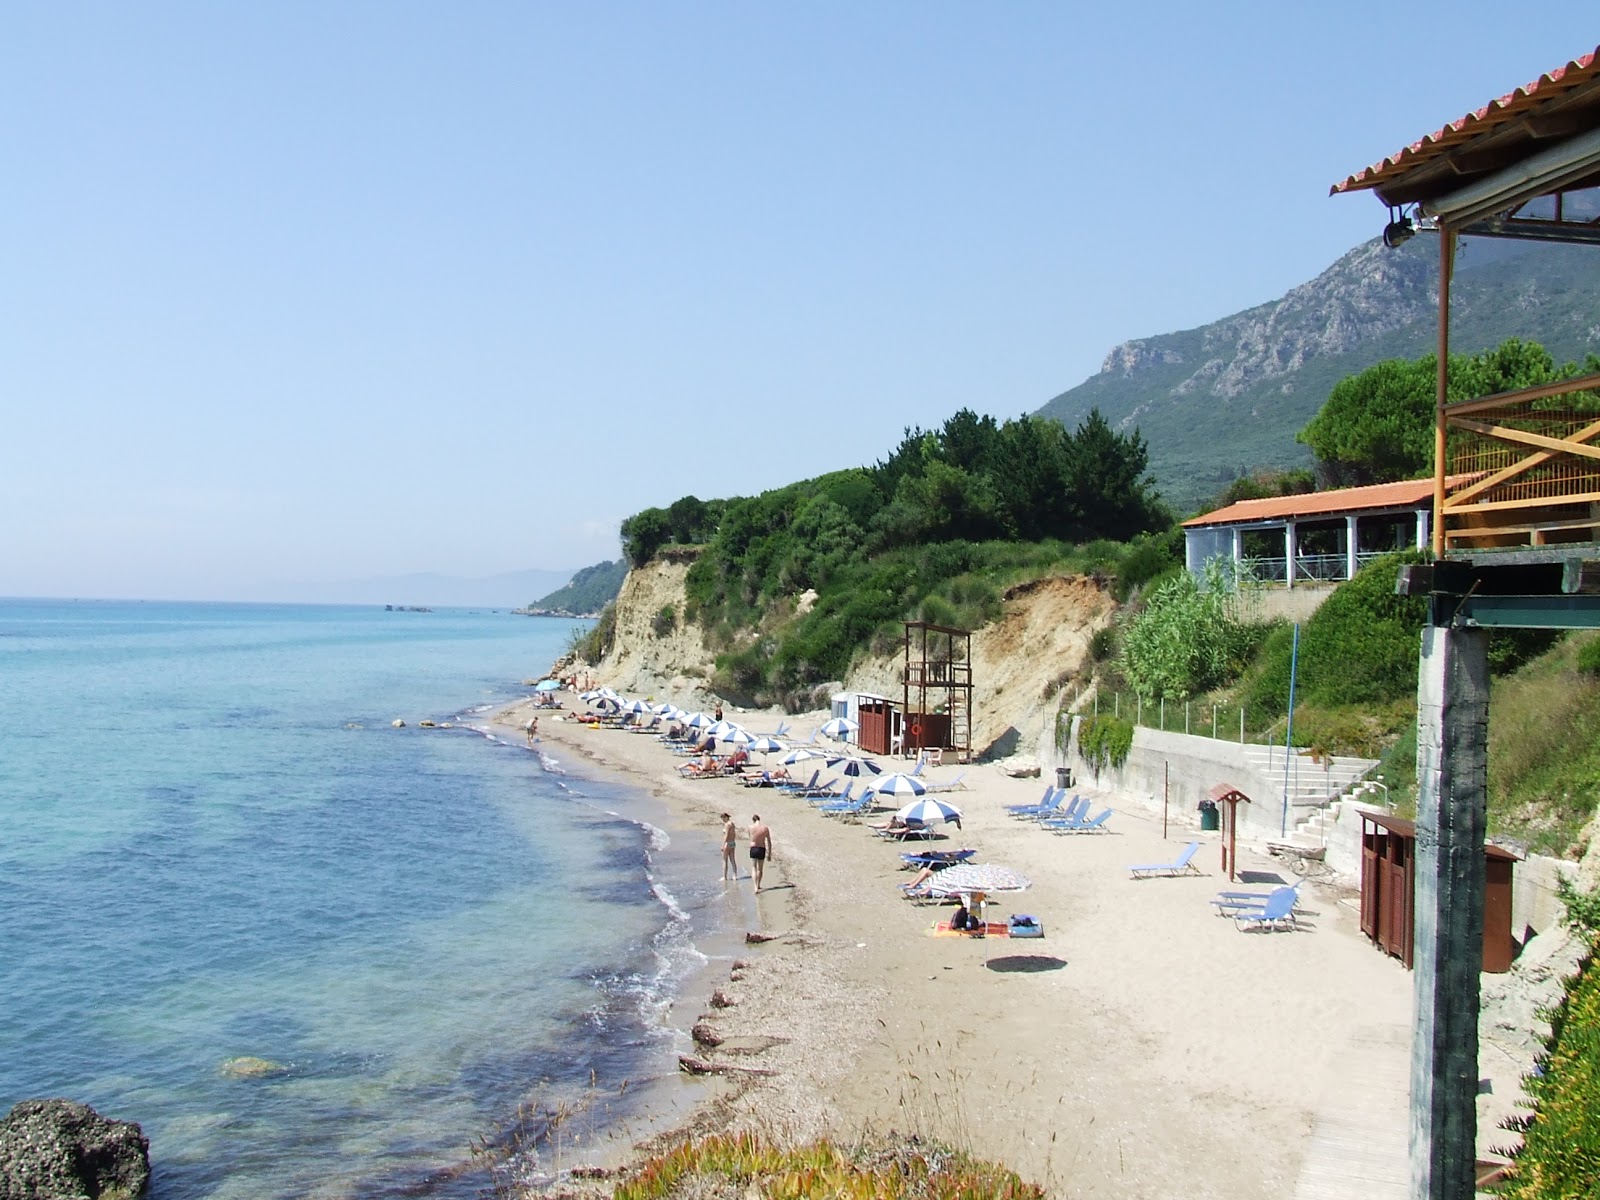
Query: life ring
pixel 916 731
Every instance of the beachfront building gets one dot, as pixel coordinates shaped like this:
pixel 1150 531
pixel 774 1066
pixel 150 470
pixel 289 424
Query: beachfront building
pixel 1317 537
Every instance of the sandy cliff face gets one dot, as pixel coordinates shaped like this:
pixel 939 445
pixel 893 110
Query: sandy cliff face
pixel 644 662
pixel 1019 662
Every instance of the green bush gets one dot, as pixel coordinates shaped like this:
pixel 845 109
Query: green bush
pixel 1360 647
pixel 1589 657
pixel 665 621
pixel 1105 741
pixel 1560 1153
pixel 1185 641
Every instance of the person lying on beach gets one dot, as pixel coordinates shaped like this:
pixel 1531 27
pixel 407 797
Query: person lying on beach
pixel 915 885
pixel 706 765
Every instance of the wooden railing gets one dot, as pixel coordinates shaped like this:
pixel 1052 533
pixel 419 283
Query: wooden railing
pixel 1523 469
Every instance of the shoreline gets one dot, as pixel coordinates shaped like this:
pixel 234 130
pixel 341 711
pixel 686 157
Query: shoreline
pixel 1141 1048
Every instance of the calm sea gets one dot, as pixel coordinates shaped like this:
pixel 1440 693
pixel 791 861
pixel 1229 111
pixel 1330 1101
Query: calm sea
pixel 213 845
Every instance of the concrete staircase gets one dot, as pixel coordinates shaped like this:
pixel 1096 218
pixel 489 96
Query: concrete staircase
pixel 1316 788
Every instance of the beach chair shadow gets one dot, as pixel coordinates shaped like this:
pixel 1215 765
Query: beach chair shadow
pixel 1182 865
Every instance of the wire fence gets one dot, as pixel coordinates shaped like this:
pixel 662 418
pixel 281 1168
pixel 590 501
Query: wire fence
pixel 1203 718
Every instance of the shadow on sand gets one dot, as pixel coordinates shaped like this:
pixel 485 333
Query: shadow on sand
pixel 1028 963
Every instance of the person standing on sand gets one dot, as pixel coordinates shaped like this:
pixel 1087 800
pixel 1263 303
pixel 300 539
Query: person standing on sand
pixel 730 837
pixel 760 848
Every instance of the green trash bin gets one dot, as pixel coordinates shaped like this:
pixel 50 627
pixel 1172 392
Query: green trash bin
pixel 1210 818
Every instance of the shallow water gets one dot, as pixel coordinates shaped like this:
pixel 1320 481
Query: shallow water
pixel 213 845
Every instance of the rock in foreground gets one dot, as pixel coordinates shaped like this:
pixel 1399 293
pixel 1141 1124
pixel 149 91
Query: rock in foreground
pixel 62 1150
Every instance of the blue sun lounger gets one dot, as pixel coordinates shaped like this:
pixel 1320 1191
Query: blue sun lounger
pixel 1098 825
pixel 1072 814
pixel 1182 865
pixel 1277 913
pixel 1053 797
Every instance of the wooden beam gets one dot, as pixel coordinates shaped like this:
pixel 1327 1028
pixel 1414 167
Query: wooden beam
pixel 1589 497
pixel 1505 433
pixel 1582 383
pixel 1533 460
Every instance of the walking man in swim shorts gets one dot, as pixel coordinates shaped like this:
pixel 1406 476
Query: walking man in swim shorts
pixel 730 835
pixel 760 848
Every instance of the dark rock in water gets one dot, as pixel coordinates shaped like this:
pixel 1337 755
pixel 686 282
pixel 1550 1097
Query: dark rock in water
pixel 62 1150
pixel 704 1035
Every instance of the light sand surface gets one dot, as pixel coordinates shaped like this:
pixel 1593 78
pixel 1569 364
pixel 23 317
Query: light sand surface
pixel 1143 1048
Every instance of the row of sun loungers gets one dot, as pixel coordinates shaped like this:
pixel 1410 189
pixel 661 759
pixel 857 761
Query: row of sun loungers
pixel 1060 815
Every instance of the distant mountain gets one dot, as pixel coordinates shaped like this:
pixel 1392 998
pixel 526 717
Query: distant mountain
pixel 1222 400
pixel 587 592
pixel 507 590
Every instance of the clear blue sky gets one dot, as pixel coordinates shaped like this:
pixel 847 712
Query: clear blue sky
pixel 299 292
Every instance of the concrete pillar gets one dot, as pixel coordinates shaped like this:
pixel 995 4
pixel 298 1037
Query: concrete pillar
pixel 1424 517
pixel 1288 553
pixel 1238 552
pixel 1452 781
pixel 1351 541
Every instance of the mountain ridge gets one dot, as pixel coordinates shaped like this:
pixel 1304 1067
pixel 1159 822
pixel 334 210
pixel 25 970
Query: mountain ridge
pixel 1224 399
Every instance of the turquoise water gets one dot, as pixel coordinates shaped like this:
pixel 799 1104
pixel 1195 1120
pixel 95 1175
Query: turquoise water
pixel 214 845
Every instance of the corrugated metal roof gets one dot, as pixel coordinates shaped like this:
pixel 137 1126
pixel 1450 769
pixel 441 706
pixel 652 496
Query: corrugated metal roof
pixel 1502 114
pixel 1409 493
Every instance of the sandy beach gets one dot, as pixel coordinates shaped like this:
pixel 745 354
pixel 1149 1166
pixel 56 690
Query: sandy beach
pixel 1143 1048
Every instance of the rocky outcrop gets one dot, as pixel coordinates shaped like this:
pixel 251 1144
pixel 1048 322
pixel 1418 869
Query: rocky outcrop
pixel 62 1150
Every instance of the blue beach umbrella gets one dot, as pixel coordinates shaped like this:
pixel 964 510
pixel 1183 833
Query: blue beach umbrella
pixel 851 765
pixel 700 721
pixel 547 685
pixel 799 755
pixel 766 745
pixel 907 785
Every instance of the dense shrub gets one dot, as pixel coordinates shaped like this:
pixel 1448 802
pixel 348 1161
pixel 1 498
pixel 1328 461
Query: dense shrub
pixel 1589 657
pixel 1186 640
pixel 1359 647
pixel 1560 1154
pixel 1104 741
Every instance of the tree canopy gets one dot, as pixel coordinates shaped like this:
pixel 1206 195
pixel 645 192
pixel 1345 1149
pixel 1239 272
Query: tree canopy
pixel 1378 426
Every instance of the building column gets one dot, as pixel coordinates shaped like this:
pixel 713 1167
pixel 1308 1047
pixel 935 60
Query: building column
pixel 1452 781
pixel 1288 553
pixel 1238 553
pixel 1351 542
pixel 1424 516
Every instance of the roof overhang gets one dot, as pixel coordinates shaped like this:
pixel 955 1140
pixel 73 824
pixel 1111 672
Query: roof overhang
pixel 1475 174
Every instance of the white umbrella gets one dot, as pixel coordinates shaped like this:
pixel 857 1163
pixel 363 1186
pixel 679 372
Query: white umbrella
pixel 799 755
pixel 766 745
pixel 978 877
pixel 735 737
pixel 928 812
pixel 725 730
pixel 608 694
pixel 840 728
pixel 636 706
pixel 699 720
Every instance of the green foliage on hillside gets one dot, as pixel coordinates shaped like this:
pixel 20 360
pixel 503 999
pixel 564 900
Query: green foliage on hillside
pixel 1105 741
pixel 930 533
pixel 1560 1154
pixel 588 591
pixel 1187 640
pixel 1359 647
pixel 1378 426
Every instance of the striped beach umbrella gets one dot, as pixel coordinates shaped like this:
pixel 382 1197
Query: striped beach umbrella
pixel 851 765
pixel 904 785
pixel 928 811
pixel 799 755
pixel 839 728
pixel 766 744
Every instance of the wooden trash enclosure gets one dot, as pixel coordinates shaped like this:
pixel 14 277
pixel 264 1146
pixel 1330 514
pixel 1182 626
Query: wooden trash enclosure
pixel 876 716
pixel 1388 882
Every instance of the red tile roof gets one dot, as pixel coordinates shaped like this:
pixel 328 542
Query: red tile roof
pixel 1409 493
pixel 1496 115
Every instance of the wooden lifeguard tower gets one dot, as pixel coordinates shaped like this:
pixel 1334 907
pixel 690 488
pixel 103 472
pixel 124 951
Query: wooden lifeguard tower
pixel 936 690
pixel 1516 539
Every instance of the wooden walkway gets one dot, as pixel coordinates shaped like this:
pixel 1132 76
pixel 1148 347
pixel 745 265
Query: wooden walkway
pixel 1359 1137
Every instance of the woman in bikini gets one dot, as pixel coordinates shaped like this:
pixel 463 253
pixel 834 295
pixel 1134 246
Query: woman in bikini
pixel 730 835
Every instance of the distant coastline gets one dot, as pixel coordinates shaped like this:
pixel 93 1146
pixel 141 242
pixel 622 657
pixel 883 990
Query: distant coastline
pixel 566 614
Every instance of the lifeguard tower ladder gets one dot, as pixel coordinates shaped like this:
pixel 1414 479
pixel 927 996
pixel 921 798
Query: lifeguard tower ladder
pixel 936 690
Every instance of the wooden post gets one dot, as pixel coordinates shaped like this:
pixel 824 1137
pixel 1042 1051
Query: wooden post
pixel 1452 781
